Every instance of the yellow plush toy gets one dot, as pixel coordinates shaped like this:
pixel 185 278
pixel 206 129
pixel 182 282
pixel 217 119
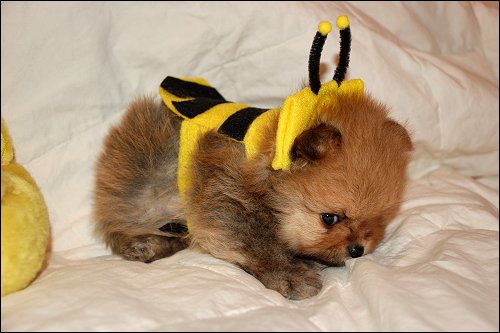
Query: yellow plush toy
pixel 25 222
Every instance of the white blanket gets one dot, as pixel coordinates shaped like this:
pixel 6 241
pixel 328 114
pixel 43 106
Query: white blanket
pixel 70 69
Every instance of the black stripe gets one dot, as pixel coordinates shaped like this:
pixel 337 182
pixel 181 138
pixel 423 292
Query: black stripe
pixel 194 107
pixel 184 89
pixel 236 126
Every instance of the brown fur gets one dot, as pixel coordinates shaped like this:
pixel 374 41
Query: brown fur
pixel 352 162
pixel 135 192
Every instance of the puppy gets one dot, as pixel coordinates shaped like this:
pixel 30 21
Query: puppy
pixel 344 185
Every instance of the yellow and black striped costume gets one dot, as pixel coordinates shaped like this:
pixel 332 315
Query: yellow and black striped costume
pixel 204 109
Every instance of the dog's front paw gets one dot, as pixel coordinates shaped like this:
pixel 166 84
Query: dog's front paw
pixel 296 282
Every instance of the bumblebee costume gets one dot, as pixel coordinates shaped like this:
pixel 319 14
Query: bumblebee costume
pixel 204 109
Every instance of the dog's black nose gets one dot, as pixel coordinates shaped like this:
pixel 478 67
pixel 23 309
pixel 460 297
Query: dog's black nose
pixel 356 250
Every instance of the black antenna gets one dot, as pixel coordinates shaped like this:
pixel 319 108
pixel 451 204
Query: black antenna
pixel 324 28
pixel 345 48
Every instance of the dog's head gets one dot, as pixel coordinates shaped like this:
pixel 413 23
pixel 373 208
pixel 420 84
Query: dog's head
pixel 346 180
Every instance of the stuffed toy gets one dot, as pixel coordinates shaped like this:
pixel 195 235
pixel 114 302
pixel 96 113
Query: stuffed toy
pixel 204 109
pixel 25 223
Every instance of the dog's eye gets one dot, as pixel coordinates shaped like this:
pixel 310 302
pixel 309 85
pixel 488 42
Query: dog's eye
pixel 330 219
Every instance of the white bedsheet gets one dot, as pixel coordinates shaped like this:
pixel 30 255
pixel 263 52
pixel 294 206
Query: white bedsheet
pixel 68 71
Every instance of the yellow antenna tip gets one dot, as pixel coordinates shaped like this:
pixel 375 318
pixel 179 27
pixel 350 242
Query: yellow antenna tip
pixel 324 27
pixel 342 22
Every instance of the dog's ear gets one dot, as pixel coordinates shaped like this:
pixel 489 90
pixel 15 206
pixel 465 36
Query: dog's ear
pixel 314 143
pixel 400 132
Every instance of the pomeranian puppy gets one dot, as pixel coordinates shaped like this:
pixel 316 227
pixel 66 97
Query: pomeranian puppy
pixel 344 185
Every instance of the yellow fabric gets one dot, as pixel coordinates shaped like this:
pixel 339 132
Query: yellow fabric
pixel 254 132
pixel 342 22
pixel 324 27
pixel 7 151
pixel 299 113
pixel 25 223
